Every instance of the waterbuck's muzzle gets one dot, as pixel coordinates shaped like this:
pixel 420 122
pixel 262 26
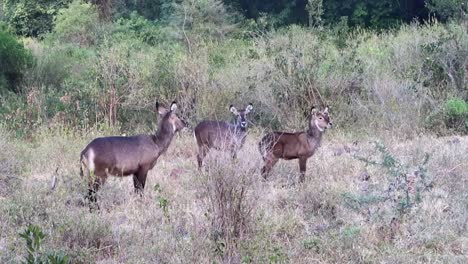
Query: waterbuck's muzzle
pixel 243 124
pixel 330 125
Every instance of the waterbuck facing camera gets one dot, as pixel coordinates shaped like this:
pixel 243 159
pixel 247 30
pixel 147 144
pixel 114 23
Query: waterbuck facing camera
pixel 301 145
pixel 125 156
pixel 222 135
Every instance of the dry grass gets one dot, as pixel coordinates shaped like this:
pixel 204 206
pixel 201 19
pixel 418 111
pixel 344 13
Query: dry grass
pixel 226 213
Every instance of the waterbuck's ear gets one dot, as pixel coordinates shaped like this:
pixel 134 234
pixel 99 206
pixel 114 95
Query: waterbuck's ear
pixel 248 108
pixel 325 111
pixel 233 109
pixel 161 109
pixel 313 110
pixel 173 106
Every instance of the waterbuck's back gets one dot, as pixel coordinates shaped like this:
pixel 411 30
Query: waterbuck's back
pixel 217 134
pixel 120 155
pixel 285 145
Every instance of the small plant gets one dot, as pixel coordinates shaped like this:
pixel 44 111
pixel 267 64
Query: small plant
pixel 405 188
pixel 162 200
pixel 312 243
pixel 34 236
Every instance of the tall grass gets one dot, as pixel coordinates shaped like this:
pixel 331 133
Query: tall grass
pixel 227 213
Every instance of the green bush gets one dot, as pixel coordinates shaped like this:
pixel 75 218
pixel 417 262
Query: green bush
pixel 456 114
pixel 33 236
pixel 456 107
pixel 31 18
pixel 14 60
pixel 446 9
pixel 137 27
pixel 77 23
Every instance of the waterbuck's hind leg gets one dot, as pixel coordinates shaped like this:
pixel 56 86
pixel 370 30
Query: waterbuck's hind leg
pixel 202 151
pixel 96 180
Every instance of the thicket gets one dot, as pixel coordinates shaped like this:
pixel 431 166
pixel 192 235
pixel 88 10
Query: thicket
pixel 105 63
pixel 15 59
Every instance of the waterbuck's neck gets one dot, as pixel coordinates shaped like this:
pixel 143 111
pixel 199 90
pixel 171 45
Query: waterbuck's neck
pixel 163 136
pixel 314 131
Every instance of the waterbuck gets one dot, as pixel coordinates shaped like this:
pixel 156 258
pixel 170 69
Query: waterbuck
pixel 301 145
pixel 222 135
pixel 124 156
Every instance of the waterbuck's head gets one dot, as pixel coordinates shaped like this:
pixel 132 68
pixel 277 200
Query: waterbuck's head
pixel 169 119
pixel 320 119
pixel 241 119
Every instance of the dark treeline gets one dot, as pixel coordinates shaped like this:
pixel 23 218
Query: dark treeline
pixel 33 18
pixel 379 14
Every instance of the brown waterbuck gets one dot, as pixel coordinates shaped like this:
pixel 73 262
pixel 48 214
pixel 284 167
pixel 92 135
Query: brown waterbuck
pixel 301 145
pixel 222 135
pixel 124 156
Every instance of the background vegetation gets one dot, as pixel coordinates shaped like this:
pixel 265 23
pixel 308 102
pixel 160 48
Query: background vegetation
pixel 89 63
pixel 395 72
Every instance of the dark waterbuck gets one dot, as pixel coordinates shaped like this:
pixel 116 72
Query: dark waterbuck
pixel 301 145
pixel 124 156
pixel 222 135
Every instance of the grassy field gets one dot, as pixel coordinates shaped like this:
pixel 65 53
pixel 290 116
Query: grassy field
pixel 347 211
pixel 388 184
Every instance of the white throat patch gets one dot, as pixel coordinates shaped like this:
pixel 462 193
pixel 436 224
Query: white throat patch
pixel 316 125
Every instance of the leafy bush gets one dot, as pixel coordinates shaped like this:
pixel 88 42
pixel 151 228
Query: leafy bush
pixel 32 18
pixel 33 236
pixel 226 188
pixel 456 113
pixel 451 117
pixel 137 27
pixel 77 23
pixel 447 9
pixel 14 60
pixel 405 186
pixel 202 18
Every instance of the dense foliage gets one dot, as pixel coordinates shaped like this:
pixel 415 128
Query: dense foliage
pixel 106 62
pixel 14 60
pixel 34 18
pixel 31 18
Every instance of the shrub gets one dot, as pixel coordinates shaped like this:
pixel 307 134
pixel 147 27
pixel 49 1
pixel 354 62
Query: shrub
pixel 227 189
pixel 137 27
pixel 446 9
pixel 77 23
pixel 405 187
pixel 196 20
pixel 14 60
pixel 33 236
pixel 456 114
pixel 32 18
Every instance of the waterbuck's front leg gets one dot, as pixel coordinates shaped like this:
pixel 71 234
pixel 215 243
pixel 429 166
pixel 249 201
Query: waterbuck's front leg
pixel 234 153
pixel 270 161
pixel 139 180
pixel 302 168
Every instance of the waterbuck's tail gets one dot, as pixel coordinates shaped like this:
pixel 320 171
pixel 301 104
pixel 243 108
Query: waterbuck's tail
pixel 81 164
